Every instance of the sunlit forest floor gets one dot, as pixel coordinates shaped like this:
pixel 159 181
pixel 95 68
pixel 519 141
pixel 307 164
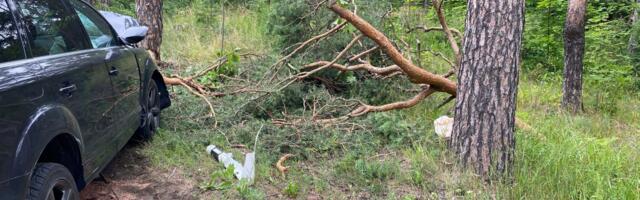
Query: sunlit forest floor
pixel 391 155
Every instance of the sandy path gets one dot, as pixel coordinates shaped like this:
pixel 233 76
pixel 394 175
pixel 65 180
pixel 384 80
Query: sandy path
pixel 130 177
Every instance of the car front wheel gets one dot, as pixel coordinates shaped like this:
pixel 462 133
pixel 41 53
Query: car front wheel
pixel 52 181
pixel 151 113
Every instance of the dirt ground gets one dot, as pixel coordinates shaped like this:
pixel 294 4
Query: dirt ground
pixel 129 176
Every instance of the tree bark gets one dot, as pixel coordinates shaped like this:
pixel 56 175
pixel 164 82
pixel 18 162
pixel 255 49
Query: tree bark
pixel 150 14
pixel 573 55
pixel 484 125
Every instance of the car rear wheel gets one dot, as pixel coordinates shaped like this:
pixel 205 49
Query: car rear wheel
pixel 52 181
pixel 151 113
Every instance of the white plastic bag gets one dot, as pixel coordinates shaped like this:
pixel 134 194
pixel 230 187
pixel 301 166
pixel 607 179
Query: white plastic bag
pixel 443 126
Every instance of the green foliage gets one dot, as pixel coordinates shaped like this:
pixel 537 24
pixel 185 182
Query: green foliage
pixel 171 7
pixel 606 59
pixel 219 180
pixel 381 171
pixel 247 192
pixel 634 48
pixel 394 129
pixel 224 180
pixel 371 174
pixel 229 68
pixel 291 20
pixel 126 7
pixel 542 45
pixel 292 190
pixel 295 21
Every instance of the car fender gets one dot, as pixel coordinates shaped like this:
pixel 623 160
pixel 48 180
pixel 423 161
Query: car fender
pixel 46 123
pixel 148 72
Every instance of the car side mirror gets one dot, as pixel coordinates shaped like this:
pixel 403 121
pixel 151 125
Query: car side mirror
pixel 134 34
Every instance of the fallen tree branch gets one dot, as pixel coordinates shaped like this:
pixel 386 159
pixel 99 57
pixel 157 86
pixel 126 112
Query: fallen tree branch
pixel 221 61
pixel 430 81
pixel 441 56
pixel 393 74
pixel 445 102
pixel 429 29
pixel 283 170
pixel 437 4
pixel 305 43
pixel 303 75
pixel 243 90
pixel 382 71
pixel 193 88
pixel 340 55
pixel 211 110
pixel 176 80
pixel 365 109
pixel 337 121
pixel 415 73
pixel 449 73
pixel 364 53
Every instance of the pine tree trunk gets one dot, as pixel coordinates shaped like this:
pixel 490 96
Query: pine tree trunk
pixel 150 14
pixel 484 124
pixel 573 55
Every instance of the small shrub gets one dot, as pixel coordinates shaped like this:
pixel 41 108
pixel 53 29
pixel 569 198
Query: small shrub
pixel 247 192
pixel 292 190
pixel 219 180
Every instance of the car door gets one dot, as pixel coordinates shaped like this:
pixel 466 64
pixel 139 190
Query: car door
pixel 122 67
pixel 72 74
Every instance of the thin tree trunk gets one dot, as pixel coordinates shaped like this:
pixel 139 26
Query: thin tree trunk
pixel 573 55
pixel 150 14
pixel 484 125
pixel 633 41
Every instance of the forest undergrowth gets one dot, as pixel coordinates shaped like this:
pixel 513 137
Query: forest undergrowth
pixel 387 155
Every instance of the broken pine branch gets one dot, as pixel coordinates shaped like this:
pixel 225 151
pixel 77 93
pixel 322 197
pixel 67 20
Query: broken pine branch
pixel 381 71
pixel 305 43
pixel 437 4
pixel 429 29
pixel 365 109
pixel 280 164
pixel 415 73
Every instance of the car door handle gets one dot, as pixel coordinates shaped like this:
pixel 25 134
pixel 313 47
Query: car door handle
pixel 113 71
pixel 68 90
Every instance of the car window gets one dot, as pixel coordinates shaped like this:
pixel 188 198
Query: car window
pixel 50 28
pixel 97 28
pixel 10 46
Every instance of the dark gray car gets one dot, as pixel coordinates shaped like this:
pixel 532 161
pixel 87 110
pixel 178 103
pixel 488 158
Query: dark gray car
pixel 73 91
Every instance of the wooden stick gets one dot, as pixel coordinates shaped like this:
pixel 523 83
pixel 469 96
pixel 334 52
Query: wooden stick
pixel 283 169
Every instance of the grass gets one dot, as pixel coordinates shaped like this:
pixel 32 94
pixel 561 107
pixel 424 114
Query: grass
pixel 190 41
pixel 593 155
pixel 394 155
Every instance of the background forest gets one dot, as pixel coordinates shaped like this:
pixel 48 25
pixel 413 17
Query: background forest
pixel 395 154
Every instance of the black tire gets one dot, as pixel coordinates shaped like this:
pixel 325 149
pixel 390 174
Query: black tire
pixel 52 181
pixel 150 113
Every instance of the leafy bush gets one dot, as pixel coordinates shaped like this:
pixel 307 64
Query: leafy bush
pixel 229 68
